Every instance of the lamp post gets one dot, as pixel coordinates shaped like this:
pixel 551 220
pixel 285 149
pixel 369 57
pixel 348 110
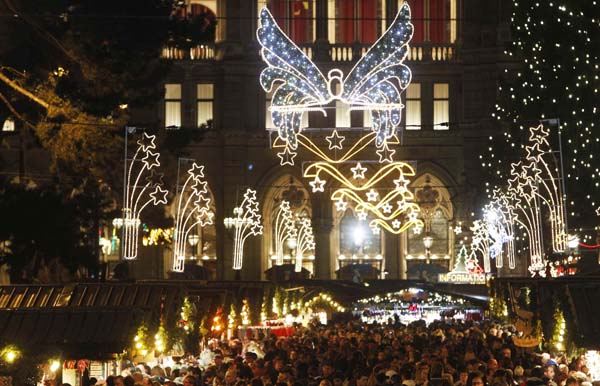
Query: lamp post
pixel 193 240
pixel 427 242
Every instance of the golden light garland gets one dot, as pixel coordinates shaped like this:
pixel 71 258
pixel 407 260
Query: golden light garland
pixel 388 210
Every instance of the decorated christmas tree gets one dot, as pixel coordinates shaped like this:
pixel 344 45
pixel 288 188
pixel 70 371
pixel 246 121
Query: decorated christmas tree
pixel 460 264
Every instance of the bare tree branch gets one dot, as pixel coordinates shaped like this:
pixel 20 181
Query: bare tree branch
pixel 14 112
pixel 23 91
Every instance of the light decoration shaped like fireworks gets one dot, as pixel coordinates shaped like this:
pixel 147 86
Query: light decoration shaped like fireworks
pixel 143 186
pixel 245 223
pixel 506 220
pixel 540 154
pixel 374 83
pixel 193 210
pixel 394 210
pixel 285 230
pixel 481 241
pixel 305 242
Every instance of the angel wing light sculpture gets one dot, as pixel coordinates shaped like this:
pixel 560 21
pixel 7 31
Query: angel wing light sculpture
pixel 374 83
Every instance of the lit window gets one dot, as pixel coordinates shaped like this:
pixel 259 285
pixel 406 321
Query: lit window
pixel 413 106
pixel 351 20
pixel 356 238
pixel 433 20
pixel 297 18
pixel 172 105
pixel 441 110
pixel 205 96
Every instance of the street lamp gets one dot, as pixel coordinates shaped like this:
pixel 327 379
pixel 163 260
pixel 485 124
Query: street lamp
pixel 193 240
pixel 427 242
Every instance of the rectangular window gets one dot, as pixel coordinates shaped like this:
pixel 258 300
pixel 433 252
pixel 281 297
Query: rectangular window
pixel 433 20
pixel 173 105
pixel 441 106
pixel 296 18
pixel 413 106
pixel 205 97
pixel 342 112
pixel 350 20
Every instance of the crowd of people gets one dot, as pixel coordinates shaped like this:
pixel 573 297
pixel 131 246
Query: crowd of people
pixel 444 353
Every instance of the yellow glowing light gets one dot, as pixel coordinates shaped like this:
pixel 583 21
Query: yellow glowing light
pixel 54 365
pixel 10 356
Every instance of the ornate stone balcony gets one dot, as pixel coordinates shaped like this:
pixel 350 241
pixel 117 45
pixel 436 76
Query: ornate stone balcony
pixel 421 52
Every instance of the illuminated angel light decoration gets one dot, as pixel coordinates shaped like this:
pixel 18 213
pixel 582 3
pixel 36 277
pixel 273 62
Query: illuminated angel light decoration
pixel 550 191
pixel 526 203
pixel 305 242
pixel 143 187
pixel 193 209
pixel 246 222
pixel 393 209
pixel 374 83
pixel 285 229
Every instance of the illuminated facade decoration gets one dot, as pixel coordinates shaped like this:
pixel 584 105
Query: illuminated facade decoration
pixel 374 83
pixel 193 210
pixel 393 209
pixel 540 154
pixel 305 242
pixel 285 230
pixel 245 223
pixel 481 242
pixel 143 187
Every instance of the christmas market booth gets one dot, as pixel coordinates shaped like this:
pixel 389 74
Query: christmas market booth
pixel 558 313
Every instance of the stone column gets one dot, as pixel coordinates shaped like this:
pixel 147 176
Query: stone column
pixel 322 226
pixel 392 255
pixel 321 46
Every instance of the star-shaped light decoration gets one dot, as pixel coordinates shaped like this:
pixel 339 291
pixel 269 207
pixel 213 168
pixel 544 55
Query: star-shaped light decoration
pixel 417 229
pixel 146 142
pixel 372 195
pixel 199 186
pixel 396 224
pixel 538 134
pixel 385 154
pixel 341 205
pixel 534 152
pixel 458 229
pixel 286 157
pixel 401 183
pixel 335 140
pixel 250 195
pixel 150 160
pixel 196 171
pixel 206 218
pixel 159 195
pixel 361 215
pixel 375 229
pixel 318 185
pixel 598 211
pixel 386 208
pixel 358 172
pixel 202 204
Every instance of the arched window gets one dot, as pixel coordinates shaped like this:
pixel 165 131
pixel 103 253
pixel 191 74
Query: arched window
pixel 297 18
pixel 352 21
pixel 433 20
pixel 436 213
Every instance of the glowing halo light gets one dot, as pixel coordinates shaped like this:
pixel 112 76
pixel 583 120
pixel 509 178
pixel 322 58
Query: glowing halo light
pixel 193 209
pixel 140 193
pixel 374 83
